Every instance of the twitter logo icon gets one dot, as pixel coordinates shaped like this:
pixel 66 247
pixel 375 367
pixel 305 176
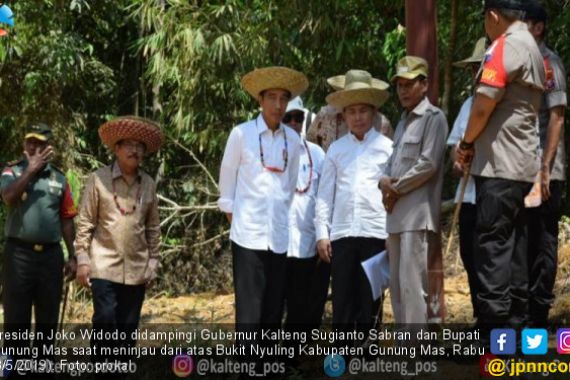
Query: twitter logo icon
pixel 534 341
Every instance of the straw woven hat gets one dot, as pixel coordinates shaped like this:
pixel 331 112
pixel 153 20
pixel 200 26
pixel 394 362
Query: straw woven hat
pixel 132 127
pixel 358 87
pixel 337 83
pixel 267 78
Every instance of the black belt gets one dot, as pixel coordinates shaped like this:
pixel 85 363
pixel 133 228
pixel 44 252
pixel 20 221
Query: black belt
pixel 36 247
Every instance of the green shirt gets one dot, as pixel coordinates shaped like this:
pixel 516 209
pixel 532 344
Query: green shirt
pixel 36 217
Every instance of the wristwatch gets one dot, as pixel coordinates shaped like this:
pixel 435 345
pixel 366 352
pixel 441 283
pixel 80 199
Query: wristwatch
pixel 464 145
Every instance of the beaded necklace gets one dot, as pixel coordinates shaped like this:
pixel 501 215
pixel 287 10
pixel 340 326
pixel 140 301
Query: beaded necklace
pixel 285 155
pixel 305 189
pixel 116 199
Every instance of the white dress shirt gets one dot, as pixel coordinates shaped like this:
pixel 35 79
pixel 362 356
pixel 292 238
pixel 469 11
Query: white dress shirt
pixel 459 127
pixel 259 199
pixel 349 202
pixel 302 235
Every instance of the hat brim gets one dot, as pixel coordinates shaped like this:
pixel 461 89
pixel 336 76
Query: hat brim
pixel 469 61
pixel 338 82
pixel 276 77
pixel 409 75
pixel 345 98
pixel 132 127
pixel 295 109
pixel 37 136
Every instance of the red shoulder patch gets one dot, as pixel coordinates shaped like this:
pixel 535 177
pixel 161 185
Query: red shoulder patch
pixel 494 73
pixel 549 83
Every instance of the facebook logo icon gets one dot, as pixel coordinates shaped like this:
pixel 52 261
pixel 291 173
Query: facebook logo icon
pixel 503 341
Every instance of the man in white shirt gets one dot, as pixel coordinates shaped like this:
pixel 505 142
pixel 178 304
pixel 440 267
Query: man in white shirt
pixel 258 177
pixel 350 218
pixel 307 277
pixel 468 213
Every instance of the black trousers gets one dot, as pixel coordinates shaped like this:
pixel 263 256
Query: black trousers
pixel 259 284
pixel 467 222
pixel 543 254
pixel 116 308
pixel 32 278
pixel 353 305
pixel 501 254
pixel 306 292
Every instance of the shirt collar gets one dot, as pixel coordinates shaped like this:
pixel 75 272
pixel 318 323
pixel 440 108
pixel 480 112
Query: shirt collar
pixel 420 109
pixel 516 26
pixel 262 126
pixel 543 49
pixel 371 132
pixel 116 172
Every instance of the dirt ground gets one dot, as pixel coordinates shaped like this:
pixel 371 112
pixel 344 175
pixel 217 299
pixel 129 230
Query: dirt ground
pixel 219 308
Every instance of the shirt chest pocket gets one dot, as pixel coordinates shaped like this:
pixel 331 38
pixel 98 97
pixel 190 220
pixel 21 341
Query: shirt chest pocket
pixel 55 188
pixel 411 147
pixel 248 157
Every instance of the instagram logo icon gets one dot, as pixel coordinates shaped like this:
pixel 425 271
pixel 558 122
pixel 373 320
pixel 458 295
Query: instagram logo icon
pixel 182 365
pixel 563 345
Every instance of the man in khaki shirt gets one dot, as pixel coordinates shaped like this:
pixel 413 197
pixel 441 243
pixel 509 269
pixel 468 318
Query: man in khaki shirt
pixel 502 135
pixel 118 232
pixel 411 191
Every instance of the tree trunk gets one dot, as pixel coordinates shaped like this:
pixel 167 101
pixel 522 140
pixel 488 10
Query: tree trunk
pixel 448 76
pixel 421 40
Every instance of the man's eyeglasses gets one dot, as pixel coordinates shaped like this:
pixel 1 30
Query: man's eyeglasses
pixel 298 117
pixel 136 146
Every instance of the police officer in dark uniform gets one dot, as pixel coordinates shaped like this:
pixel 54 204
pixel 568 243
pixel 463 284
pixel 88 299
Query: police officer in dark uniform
pixel 543 220
pixel 502 141
pixel 40 212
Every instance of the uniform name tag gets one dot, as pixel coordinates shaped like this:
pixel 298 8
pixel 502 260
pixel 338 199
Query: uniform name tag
pixel 56 184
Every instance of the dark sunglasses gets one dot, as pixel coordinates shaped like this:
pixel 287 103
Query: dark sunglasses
pixel 299 118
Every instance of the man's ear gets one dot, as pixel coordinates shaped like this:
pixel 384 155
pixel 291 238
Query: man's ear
pixel 540 27
pixel 425 86
pixel 495 16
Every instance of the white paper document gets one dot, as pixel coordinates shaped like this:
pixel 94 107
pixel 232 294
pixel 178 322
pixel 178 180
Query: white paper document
pixel 377 269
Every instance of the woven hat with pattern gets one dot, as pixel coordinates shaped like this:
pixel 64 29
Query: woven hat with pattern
pixel 275 77
pixel 358 88
pixel 132 127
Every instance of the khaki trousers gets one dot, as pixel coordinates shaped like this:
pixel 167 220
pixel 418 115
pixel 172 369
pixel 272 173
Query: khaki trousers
pixel 408 253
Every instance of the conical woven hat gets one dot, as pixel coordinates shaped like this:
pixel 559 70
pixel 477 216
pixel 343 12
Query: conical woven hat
pixel 132 127
pixel 275 77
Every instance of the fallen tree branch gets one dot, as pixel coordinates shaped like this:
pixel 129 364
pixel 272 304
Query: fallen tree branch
pixel 198 161
pixel 210 240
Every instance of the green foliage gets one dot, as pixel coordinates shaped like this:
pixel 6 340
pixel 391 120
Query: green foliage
pixel 77 63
